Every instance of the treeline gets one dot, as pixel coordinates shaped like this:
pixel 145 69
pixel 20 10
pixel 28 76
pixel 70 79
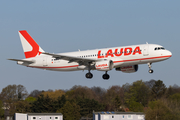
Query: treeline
pixel 151 97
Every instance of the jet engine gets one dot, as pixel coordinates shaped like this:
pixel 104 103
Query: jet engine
pixel 104 65
pixel 128 69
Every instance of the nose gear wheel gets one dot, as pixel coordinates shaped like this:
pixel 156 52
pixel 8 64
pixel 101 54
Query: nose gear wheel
pixel 150 70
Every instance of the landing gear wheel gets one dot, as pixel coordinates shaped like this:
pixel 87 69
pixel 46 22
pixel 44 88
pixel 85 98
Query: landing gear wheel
pixel 89 75
pixel 151 71
pixel 105 76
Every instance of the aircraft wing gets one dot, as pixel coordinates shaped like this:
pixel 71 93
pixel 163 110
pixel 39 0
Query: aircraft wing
pixel 25 61
pixel 72 58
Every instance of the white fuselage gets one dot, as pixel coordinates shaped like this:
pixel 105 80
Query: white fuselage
pixel 121 56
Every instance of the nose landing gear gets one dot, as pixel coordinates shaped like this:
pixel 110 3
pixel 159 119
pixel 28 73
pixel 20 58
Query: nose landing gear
pixel 150 70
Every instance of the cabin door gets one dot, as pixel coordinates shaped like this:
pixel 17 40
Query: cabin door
pixel 45 61
pixel 146 50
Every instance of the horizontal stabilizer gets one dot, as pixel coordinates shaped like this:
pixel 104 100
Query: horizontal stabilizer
pixel 25 61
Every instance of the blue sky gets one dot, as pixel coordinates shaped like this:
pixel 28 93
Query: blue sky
pixel 65 26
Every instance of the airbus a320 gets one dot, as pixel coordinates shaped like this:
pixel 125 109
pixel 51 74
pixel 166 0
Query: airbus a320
pixel 125 58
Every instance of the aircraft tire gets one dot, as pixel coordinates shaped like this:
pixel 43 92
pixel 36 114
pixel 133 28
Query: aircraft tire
pixel 151 71
pixel 105 76
pixel 89 75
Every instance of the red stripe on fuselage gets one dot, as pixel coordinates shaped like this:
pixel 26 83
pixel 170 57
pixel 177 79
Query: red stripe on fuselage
pixel 142 59
pixel 113 62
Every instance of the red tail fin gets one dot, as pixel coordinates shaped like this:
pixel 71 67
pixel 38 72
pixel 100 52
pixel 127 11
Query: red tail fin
pixel 30 47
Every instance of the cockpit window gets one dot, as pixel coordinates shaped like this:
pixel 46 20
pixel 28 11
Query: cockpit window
pixel 162 48
pixel 159 48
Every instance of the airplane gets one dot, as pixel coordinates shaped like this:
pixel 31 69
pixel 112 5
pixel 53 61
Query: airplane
pixel 125 59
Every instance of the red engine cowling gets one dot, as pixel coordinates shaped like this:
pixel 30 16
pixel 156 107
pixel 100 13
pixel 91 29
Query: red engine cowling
pixel 128 69
pixel 104 65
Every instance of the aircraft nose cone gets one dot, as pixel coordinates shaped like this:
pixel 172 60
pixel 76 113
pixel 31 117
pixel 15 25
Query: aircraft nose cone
pixel 169 53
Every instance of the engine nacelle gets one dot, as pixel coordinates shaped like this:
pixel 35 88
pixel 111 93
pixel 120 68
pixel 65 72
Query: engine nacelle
pixel 104 65
pixel 128 69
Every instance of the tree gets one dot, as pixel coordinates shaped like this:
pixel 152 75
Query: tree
pixel 138 92
pixel 150 83
pixel 54 94
pixel 114 98
pixel 88 105
pixel 135 106
pixel 70 111
pixel 30 99
pixel 59 103
pixel 22 106
pixel 43 105
pixel 21 92
pixel 157 110
pixel 11 94
pixel 14 93
pixel 35 93
pixel 158 90
pixel 175 97
pixel 1 109
pixel 77 92
pixel 99 93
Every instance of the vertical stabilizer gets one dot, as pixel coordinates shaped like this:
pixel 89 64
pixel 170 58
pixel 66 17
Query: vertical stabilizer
pixel 30 47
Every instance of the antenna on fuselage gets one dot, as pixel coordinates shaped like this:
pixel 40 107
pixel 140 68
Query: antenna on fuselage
pixel 146 42
pixel 79 50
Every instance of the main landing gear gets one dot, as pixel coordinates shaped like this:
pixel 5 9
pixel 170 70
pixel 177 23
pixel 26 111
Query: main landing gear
pixel 105 76
pixel 89 75
pixel 150 70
